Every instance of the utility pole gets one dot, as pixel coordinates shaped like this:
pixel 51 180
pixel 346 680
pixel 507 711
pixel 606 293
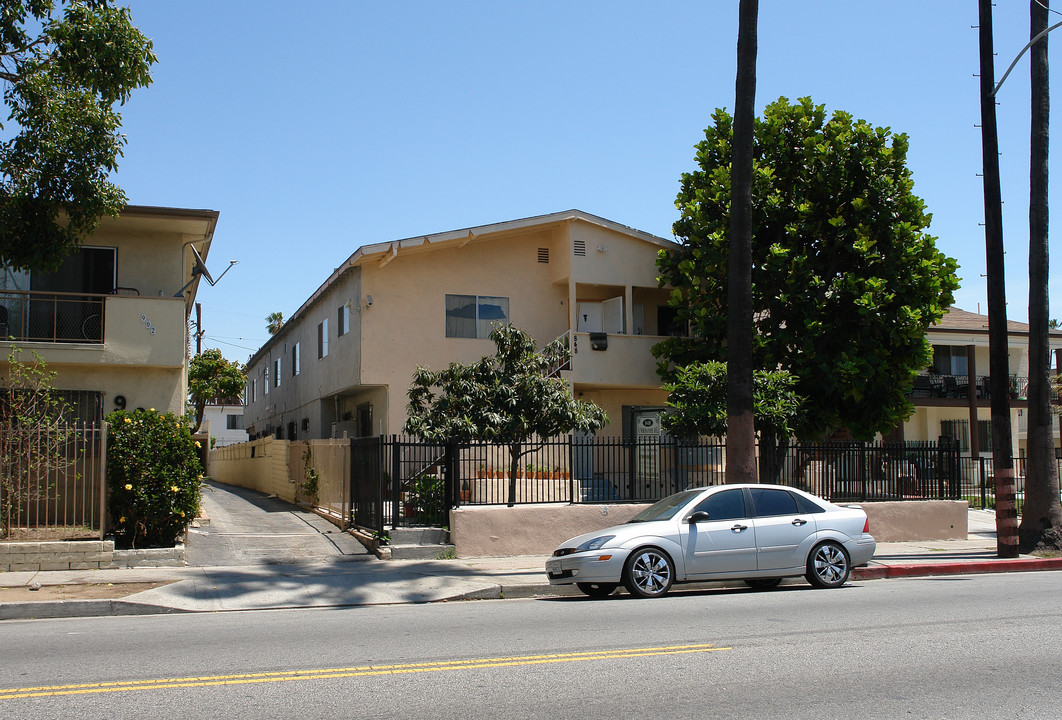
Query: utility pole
pixel 198 329
pixel 998 361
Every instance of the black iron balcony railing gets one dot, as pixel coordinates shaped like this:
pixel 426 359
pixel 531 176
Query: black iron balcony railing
pixel 51 317
pixel 958 386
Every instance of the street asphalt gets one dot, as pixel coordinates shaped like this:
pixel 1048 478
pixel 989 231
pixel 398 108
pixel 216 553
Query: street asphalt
pixel 253 552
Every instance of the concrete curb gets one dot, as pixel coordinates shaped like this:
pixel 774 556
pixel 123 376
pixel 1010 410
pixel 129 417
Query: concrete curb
pixel 975 567
pixel 54 609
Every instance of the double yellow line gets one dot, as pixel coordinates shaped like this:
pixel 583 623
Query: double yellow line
pixel 348 672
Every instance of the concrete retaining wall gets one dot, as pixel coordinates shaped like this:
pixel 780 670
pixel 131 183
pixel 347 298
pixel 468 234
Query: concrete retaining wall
pixel 83 555
pixel 260 465
pixel 918 520
pixel 538 529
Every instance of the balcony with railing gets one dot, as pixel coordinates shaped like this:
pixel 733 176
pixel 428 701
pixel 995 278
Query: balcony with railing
pixel 118 328
pixel 933 387
pixel 51 317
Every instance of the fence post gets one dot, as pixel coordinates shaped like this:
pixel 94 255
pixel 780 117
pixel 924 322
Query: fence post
pixel 451 489
pixel 571 470
pixel 104 518
pixel 981 480
pixel 863 471
pixel 396 481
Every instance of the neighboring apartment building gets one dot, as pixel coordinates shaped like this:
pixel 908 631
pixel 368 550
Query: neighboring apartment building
pixel 344 361
pixel 944 403
pixel 223 421
pixel 112 322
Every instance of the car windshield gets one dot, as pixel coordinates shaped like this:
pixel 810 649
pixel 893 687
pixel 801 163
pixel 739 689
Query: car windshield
pixel 665 509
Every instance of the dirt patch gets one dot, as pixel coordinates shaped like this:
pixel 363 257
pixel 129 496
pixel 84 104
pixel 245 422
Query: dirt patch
pixel 50 534
pixel 85 591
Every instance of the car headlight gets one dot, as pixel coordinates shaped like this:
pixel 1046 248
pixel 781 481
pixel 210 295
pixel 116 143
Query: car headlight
pixel 595 544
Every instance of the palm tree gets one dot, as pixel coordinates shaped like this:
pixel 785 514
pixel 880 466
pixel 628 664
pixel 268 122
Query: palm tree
pixel 276 321
pixel 999 364
pixel 1041 520
pixel 741 430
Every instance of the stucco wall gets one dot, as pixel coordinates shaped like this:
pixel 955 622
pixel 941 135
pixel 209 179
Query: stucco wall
pixel 267 471
pixel 538 529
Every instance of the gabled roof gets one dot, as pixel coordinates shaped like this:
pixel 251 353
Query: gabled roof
pixel 959 320
pixel 385 251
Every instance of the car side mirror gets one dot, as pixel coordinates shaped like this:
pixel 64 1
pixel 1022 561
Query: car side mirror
pixel 699 516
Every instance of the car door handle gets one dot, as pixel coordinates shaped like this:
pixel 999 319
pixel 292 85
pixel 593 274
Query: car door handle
pixel 798 522
pixel 739 528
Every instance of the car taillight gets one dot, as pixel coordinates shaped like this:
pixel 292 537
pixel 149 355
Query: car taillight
pixel 866 526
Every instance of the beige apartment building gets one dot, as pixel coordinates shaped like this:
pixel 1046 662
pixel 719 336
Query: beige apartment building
pixel 112 322
pixel 953 394
pixel 344 360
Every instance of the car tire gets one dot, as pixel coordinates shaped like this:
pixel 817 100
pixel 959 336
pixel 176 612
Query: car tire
pixel 763 583
pixel 597 590
pixel 648 573
pixel 828 565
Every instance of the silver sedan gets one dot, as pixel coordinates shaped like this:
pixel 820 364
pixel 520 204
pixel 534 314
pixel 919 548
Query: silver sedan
pixel 756 533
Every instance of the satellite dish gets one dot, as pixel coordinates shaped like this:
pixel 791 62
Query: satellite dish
pixel 200 267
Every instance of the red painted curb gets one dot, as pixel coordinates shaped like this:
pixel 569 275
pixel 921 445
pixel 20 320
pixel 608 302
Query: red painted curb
pixel 972 567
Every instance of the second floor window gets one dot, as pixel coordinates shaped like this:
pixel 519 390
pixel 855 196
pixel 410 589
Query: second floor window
pixel 296 359
pixel 473 316
pixel 234 422
pixel 950 359
pixel 322 339
pixel 343 326
pixel 276 373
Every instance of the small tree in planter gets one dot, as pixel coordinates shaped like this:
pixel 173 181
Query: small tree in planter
pixel 153 476
pixel 508 398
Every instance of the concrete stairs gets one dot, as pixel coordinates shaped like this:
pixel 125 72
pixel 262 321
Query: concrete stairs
pixel 419 544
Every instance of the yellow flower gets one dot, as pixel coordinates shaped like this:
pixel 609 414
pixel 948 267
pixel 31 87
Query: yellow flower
pixel 128 420
pixel 181 513
pixel 121 519
pixel 197 444
pixel 152 410
pixel 174 488
pixel 128 486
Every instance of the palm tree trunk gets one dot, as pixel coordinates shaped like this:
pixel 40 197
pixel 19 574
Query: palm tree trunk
pixel 1041 520
pixel 741 431
pixel 999 367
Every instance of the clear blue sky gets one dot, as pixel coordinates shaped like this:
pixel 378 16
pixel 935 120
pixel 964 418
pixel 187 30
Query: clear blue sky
pixel 319 126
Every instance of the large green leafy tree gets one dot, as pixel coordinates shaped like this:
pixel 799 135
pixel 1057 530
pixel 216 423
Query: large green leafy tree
pixel 65 64
pixel 845 278
pixel 211 376
pixel 511 397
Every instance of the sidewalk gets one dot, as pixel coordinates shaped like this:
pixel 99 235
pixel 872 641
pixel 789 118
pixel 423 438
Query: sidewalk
pixel 359 579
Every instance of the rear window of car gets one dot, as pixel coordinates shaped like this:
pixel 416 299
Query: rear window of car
pixel 773 502
pixel 808 506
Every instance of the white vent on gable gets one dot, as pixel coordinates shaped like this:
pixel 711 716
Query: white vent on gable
pixel 543 255
pixel 580 248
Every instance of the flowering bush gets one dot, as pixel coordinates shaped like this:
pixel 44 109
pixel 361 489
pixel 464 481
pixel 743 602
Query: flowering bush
pixel 153 475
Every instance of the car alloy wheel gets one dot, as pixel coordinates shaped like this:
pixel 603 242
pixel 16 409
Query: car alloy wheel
pixel 828 566
pixel 649 573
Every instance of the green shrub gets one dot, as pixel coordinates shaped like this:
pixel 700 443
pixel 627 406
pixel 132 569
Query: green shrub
pixel 428 494
pixel 153 476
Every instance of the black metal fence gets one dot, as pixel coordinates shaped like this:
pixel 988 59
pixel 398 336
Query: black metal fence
pixel 400 482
